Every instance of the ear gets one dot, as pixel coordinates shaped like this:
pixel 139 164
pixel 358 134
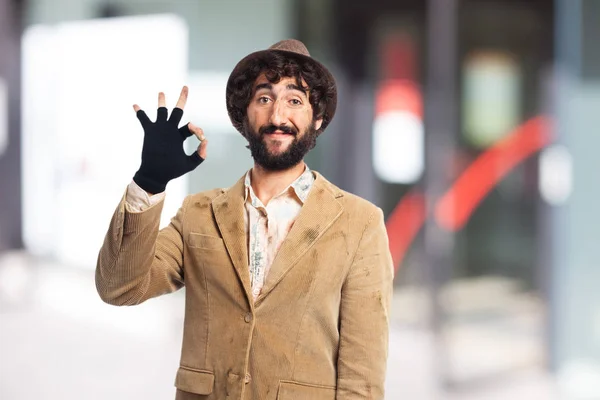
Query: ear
pixel 318 124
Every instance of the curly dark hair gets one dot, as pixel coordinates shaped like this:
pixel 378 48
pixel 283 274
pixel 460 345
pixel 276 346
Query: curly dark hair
pixel 277 65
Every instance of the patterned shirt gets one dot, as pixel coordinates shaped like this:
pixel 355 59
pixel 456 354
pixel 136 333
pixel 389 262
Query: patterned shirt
pixel 267 226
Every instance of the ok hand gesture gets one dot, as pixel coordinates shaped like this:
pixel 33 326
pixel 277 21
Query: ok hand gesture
pixel 163 157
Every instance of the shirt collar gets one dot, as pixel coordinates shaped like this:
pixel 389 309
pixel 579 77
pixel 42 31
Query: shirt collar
pixel 301 186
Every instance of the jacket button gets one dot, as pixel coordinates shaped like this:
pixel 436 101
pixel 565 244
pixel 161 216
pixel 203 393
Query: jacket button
pixel 247 379
pixel 248 317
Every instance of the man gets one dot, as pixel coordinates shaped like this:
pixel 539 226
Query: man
pixel 288 278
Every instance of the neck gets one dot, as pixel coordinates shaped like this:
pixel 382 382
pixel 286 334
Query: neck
pixel 268 184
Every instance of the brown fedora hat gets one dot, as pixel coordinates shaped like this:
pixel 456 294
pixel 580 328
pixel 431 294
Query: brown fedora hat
pixel 290 48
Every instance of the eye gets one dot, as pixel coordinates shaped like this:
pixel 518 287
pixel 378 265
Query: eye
pixel 263 99
pixel 296 102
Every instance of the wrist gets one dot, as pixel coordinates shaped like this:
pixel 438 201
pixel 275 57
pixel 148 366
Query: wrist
pixel 149 185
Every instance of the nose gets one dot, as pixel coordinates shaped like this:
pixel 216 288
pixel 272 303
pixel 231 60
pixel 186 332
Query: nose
pixel 278 114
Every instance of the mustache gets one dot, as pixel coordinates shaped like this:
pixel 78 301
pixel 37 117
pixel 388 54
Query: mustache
pixel 272 128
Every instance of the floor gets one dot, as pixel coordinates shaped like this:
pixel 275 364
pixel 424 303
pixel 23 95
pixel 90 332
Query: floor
pixel 59 341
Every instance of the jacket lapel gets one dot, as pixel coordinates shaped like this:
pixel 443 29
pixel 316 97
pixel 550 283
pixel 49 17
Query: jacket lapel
pixel 229 210
pixel 318 213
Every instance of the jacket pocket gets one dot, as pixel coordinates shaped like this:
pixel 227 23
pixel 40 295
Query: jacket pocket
pixel 201 241
pixel 289 390
pixel 194 380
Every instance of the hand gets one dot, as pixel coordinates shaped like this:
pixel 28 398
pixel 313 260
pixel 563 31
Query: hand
pixel 163 157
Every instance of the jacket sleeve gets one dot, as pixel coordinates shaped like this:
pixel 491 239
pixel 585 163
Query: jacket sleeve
pixel 137 200
pixel 136 261
pixel 364 316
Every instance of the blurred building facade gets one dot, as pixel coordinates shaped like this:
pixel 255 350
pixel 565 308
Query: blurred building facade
pixel 472 124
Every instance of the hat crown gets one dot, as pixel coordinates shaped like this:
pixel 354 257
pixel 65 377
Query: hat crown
pixel 291 45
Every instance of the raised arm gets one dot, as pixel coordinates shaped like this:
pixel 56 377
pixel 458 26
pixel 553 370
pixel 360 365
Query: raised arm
pixel 136 262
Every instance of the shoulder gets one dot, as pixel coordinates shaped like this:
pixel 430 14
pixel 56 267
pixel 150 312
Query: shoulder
pixel 352 204
pixel 356 203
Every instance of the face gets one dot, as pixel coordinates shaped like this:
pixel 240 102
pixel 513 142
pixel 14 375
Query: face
pixel 279 125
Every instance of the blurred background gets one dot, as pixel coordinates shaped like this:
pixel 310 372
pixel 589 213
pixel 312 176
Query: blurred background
pixel 474 125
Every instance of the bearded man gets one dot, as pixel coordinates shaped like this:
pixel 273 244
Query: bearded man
pixel 288 278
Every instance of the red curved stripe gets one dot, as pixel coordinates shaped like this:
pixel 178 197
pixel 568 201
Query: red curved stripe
pixel 404 223
pixel 455 208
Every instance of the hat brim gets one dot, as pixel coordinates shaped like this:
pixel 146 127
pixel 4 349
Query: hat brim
pixel 242 66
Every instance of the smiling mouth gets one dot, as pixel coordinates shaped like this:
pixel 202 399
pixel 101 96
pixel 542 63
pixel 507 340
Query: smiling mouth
pixel 279 135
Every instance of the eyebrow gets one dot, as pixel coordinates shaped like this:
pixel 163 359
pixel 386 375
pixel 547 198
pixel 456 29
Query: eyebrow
pixel 269 86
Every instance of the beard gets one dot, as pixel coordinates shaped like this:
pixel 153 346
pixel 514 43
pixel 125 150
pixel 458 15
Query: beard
pixel 289 158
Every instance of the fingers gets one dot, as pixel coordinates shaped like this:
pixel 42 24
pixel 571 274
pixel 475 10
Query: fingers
pixel 194 160
pixel 182 98
pixel 200 154
pixel 176 115
pixel 141 115
pixel 177 112
pixel 202 149
pixel 162 112
pixel 196 131
pixel 200 135
pixel 185 132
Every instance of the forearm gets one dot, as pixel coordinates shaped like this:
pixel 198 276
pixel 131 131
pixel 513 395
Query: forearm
pixel 135 262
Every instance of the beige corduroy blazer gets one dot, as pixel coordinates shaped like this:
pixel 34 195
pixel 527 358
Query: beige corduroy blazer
pixel 318 330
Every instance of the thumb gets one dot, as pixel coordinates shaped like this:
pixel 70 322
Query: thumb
pixel 197 157
pixel 196 131
pixel 202 148
pixel 200 135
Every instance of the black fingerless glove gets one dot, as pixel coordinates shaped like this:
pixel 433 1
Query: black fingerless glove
pixel 163 157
